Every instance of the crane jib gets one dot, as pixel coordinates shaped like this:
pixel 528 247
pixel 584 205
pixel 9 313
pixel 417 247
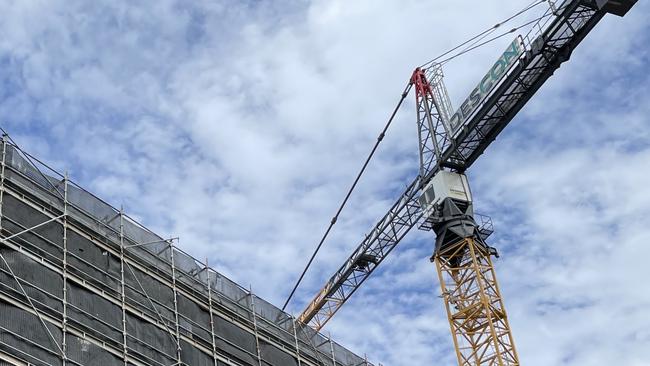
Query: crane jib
pixel 488 82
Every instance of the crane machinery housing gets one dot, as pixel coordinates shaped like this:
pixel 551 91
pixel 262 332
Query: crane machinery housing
pixel 439 199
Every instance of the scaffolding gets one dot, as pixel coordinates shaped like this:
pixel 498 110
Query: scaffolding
pixel 82 283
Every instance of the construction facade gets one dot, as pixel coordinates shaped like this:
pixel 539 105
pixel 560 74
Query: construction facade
pixel 82 283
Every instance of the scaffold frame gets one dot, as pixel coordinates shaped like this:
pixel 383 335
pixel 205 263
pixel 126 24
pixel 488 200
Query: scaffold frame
pixel 110 277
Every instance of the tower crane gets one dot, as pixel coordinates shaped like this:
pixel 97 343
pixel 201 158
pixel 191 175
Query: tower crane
pixel 439 199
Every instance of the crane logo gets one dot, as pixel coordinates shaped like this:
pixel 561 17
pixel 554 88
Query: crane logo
pixel 488 82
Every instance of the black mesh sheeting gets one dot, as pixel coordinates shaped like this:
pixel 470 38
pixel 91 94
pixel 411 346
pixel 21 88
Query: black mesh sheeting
pixel 95 313
pixel 195 357
pixel 199 319
pixel 235 341
pixel 42 285
pixel 96 263
pixel 46 240
pixel 148 340
pixel 23 331
pixel 93 290
pixel 274 357
pixel 87 353
pixel 161 295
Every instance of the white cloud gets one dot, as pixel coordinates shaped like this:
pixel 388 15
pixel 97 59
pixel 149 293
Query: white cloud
pixel 239 128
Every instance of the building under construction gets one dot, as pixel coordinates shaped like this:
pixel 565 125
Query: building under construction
pixel 81 283
pixel 84 284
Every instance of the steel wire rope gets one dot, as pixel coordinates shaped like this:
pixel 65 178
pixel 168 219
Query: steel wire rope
pixel 477 45
pixel 476 38
pixel 485 32
pixel 495 38
pixel 347 196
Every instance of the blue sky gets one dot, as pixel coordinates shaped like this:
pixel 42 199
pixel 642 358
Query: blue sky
pixel 239 126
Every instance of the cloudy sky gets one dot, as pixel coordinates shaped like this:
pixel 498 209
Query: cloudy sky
pixel 239 125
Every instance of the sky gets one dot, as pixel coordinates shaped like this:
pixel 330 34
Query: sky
pixel 238 126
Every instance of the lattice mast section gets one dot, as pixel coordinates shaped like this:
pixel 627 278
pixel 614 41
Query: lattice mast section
pixel 433 111
pixel 477 317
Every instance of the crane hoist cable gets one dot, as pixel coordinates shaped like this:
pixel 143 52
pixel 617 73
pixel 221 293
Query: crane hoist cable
pixel 381 136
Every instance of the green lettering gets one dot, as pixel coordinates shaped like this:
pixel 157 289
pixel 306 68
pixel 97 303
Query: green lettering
pixel 454 121
pixel 485 88
pixel 465 108
pixel 498 69
pixel 512 51
pixel 475 97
